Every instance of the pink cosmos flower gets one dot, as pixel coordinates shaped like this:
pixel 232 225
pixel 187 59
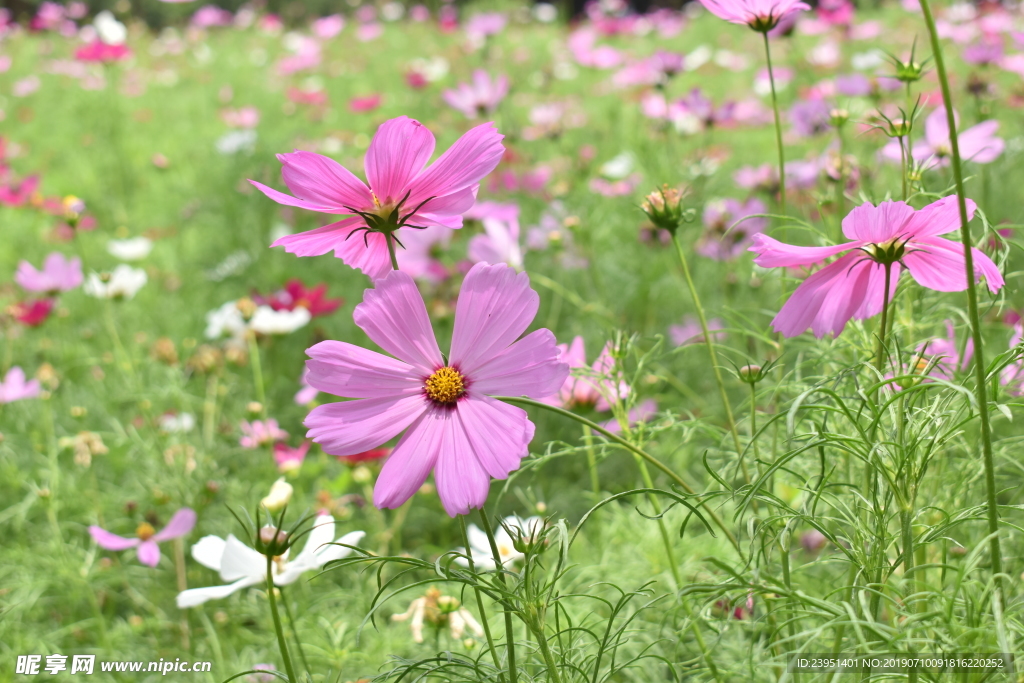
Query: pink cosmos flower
pixel 500 241
pixel 59 274
pixel 147 537
pixel 420 256
pixel 1012 376
pixel 290 459
pixel 452 425
pixel 485 24
pixel 940 358
pixel 760 15
pixel 98 51
pixel 642 412
pixel 15 388
pixel 978 143
pixel 258 433
pixel 590 385
pixel 243 117
pixel 480 97
pixel 211 15
pixel 853 286
pixel 19 194
pixel 326 28
pixel 305 394
pixel 33 312
pixel 362 105
pixel 401 193
pixel 690 331
pixel 721 243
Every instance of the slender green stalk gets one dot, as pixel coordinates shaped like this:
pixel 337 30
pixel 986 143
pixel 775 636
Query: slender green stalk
pixel 480 600
pixel 665 539
pixel 390 239
pixel 972 301
pixel 906 519
pixel 630 447
pixel 510 636
pixel 903 166
pixel 281 643
pixel 182 582
pixel 588 439
pixel 778 128
pixel 295 633
pixel 257 374
pixel 549 661
pixel 709 341
pixel 880 354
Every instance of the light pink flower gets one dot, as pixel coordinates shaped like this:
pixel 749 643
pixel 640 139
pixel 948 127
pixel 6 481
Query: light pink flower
pixel 760 15
pixel 305 394
pixel 289 459
pixel 452 425
pixel 243 117
pixel 485 24
pixel 326 28
pixel 258 433
pixel 853 285
pixel 978 143
pixel 419 257
pixel 480 97
pixel 146 542
pixel 641 412
pixel 401 191
pixel 59 274
pixel 500 241
pixel 15 388
pixel 588 385
pixel 690 332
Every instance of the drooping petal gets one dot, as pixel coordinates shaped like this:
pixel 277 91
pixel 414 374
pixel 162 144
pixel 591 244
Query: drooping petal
pixel 775 254
pixel 938 264
pixel 397 153
pixel 498 434
pixel 826 300
pixel 410 463
pixel 529 367
pixel 938 218
pixel 109 541
pixel 149 553
pixel 367 252
pixel 288 200
pixel 197 596
pixel 877 224
pixel 394 316
pixel 463 165
pixel 321 240
pixel 352 427
pixel 239 560
pixel 208 551
pixel 181 523
pixel 874 298
pixel 462 482
pixel 319 180
pixel 354 372
pixel 495 306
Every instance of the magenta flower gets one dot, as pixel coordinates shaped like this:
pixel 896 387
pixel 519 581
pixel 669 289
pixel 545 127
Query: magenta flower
pixel 760 15
pixel 59 274
pixel 15 388
pixel 401 193
pixel 258 433
pixel 978 143
pixel 589 385
pixel 642 412
pixel 891 235
pixel 480 97
pixel 290 459
pixel 452 425
pixel 147 537
pixel 690 332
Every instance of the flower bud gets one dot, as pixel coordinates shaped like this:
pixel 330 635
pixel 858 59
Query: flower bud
pixel 664 207
pixel 909 71
pixel 279 496
pixel 838 117
pixel 448 604
pixel 751 374
pixel 272 542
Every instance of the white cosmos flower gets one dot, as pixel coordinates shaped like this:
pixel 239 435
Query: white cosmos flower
pixel 180 423
pixel 122 283
pixel 268 321
pixel 225 321
pixel 241 566
pixel 132 249
pixel 110 30
pixel 480 546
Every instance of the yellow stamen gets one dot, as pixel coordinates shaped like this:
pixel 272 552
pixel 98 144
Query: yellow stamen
pixel 445 386
pixel 145 531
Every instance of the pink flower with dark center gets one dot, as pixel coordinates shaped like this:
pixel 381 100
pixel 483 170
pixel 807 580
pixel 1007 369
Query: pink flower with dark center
pixel 258 433
pixel 588 385
pixel 147 537
pixel 480 97
pixel 15 388
pixel 59 274
pixel 402 194
pixel 760 15
pixel 978 143
pixel 443 404
pixel 891 235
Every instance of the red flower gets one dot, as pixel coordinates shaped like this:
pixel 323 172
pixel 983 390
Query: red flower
pixel 359 105
pixel 365 456
pixel 296 295
pixel 33 312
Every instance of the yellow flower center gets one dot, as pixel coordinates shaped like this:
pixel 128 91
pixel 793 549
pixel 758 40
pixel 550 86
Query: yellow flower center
pixel 145 531
pixel 445 386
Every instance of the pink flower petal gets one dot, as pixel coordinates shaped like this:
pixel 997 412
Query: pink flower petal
pixel 775 254
pixel 939 217
pixel 463 165
pixel 495 306
pixel 367 252
pixel 529 367
pixel 498 434
pixel 875 290
pixel 394 317
pixel 980 144
pixel 826 300
pixel 398 152
pixel 877 224
pixel 938 264
pixel 109 541
pixel 462 482
pixel 181 523
pixel 454 204
pixel 410 463
pixel 352 427
pixel 320 180
pixel 288 200
pixel 322 240
pixel 149 553
pixel 354 372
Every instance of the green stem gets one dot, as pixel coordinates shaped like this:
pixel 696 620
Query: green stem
pixel 880 355
pixel 257 374
pixel 778 129
pixel 903 166
pixel 510 636
pixel 390 239
pixel 588 439
pixel 542 640
pixel 906 518
pixel 480 601
pixel 277 622
pixel 709 341
pixel 646 475
pixel 295 633
pixel 972 301
pixel 634 449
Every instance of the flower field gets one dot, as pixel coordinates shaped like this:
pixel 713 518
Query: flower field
pixel 489 343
